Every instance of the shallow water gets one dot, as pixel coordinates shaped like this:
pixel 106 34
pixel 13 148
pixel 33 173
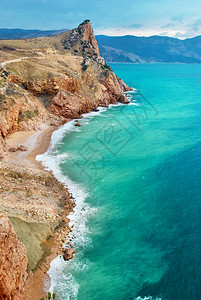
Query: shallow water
pixel 135 173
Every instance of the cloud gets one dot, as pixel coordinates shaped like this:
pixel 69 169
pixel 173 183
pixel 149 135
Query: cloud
pixel 181 35
pixel 136 26
pixel 192 28
pixel 163 33
pixel 195 26
pixel 169 25
pixel 178 19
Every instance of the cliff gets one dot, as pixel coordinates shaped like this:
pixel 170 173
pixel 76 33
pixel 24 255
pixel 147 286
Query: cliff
pixel 13 262
pixel 66 79
pixel 45 82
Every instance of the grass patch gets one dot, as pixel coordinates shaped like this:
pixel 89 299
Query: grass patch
pixel 28 114
pixel 1 81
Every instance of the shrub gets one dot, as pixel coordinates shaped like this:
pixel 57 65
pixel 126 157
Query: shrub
pixel 49 296
pixel 84 22
pixel 106 66
pixel 29 114
pixel 84 67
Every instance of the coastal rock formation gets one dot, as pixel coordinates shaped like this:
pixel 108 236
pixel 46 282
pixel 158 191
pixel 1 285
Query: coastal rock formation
pixel 68 253
pixel 13 263
pixel 34 201
pixel 70 80
pixel 81 40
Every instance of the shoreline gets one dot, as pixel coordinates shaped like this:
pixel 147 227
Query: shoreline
pixel 35 288
pixel 35 285
pixel 39 142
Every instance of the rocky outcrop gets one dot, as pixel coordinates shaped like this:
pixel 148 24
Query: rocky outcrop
pixel 13 263
pixel 51 86
pixel 68 254
pixel 19 110
pixel 81 41
pixel 122 84
pixel 74 81
pixel 35 202
pixel 88 37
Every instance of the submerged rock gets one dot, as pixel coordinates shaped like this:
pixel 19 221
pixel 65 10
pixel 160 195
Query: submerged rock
pixel 68 254
pixel 78 124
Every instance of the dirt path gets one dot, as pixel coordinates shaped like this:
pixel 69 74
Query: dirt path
pixel 12 61
pixel 4 63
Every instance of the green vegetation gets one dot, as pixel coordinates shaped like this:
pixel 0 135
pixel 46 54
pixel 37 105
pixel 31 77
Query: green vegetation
pixel 2 99
pixel 29 114
pixel 4 74
pixel 84 67
pixel 1 81
pixel 84 22
pixel 25 116
pixel 49 296
pixel 106 66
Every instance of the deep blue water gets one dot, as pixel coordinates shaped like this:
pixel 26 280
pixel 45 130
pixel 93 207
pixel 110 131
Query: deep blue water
pixel 140 169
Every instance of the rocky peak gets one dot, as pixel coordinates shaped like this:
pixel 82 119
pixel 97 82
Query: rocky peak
pixel 88 36
pixel 81 41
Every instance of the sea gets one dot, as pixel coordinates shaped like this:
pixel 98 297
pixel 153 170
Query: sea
pixel 134 172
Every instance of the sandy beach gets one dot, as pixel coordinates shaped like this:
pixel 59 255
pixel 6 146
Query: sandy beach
pixel 37 143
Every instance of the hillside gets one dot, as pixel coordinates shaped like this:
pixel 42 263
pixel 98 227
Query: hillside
pixel 10 34
pixel 149 49
pixel 42 70
pixel 128 48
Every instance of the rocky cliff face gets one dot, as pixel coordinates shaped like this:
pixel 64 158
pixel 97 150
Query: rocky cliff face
pixel 81 41
pixel 13 263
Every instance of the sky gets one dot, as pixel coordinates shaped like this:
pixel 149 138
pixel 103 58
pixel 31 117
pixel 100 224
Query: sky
pixel 175 18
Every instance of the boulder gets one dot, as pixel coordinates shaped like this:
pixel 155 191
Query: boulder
pixel 13 149
pixel 68 254
pixel 78 124
pixel 22 148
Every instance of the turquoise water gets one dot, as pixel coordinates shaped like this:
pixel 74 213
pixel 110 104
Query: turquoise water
pixel 138 231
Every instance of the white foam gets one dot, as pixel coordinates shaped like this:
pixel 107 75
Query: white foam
pixel 100 109
pixel 133 91
pixel 134 103
pixel 80 232
pixel 147 298
pixel 115 104
pixel 60 271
